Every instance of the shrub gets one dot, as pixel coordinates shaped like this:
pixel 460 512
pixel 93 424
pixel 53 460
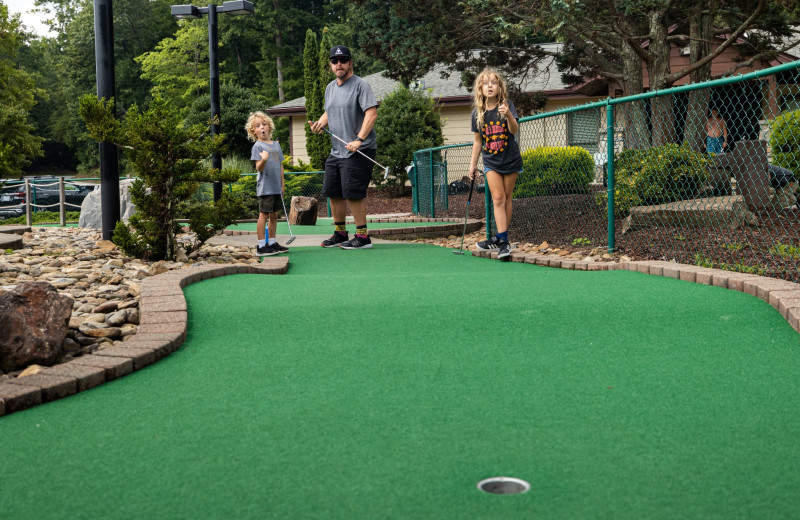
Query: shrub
pixel 785 141
pixel 550 170
pixel 167 158
pixel 656 176
pixel 408 120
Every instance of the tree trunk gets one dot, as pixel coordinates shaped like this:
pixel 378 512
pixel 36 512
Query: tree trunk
pixel 632 116
pixel 700 32
pixel 658 70
pixel 279 46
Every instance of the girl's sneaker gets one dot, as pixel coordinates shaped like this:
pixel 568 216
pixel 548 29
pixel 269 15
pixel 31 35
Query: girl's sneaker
pixel 505 250
pixel 489 245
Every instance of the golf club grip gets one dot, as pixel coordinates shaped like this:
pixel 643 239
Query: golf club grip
pixel 471 185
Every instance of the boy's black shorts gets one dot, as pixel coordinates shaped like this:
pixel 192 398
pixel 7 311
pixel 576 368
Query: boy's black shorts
pixel 348 178
pixel 269 203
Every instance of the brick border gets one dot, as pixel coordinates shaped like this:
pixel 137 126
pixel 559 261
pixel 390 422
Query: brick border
pixel 782 295
pixel 162 330
pixel 437 227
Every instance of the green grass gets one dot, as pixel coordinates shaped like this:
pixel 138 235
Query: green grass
pixel 387 383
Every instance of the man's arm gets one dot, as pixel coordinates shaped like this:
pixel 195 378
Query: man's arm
pixel 370 116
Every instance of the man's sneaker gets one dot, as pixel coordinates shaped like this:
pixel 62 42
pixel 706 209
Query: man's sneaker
pixel 279 248
pixel 504 250
pixel 358 242
pixel 335 239
pixel 489 245
pixel 266 250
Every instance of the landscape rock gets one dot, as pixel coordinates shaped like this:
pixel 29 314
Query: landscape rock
pixel 303 211
pixel 34 319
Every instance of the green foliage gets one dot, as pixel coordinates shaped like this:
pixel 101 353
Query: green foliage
pixel 554 170
pixel 738 267
pixel 167 158
pixel 44 217
pixel 317 75
pixel 785 141
pixel 206 220
pixel 244 189
pixel 236 103
pixel 408 120
pixel 786 251
pixel 177 67
pixel 656 176
pixel 18 144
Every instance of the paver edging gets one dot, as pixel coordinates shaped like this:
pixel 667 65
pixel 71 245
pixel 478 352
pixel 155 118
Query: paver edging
pixel 154 340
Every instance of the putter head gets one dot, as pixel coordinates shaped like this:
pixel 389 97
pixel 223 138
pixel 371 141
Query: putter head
pixel 291 239
pixel 458 252
pixel 385 173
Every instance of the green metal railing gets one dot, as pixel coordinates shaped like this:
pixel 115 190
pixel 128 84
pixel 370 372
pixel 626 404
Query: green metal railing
pixel 637 175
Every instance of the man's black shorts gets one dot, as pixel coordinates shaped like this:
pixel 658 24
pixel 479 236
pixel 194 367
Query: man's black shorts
pixel 348 178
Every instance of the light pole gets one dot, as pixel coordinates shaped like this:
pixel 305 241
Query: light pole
pixel 191 11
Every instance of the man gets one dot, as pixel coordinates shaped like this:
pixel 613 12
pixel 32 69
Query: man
pixel 350 112
pixel 716 133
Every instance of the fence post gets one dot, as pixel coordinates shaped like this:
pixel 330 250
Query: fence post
pixel 433 184
pixel 610 173
pixel 28 217
pixel 62 196
pixel 415 190
pixel 489 205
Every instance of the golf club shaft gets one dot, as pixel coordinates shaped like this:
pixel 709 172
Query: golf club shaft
pixel 287 221
pixel 385 168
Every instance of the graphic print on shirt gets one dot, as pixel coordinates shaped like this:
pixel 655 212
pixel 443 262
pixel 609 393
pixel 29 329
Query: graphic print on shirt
pixel 495 136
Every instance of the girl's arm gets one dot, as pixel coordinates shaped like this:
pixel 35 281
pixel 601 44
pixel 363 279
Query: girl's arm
pixel 477 144
pixel 505 111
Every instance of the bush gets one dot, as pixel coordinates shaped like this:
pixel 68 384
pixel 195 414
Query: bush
pixel 408 120
pixel 551 170
pixel 785 141
pixel 656 176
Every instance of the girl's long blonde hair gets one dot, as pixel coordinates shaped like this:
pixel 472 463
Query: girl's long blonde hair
pixel 479 100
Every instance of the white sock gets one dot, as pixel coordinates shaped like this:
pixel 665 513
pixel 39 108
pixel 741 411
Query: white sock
pixel 272 241
pixel 262 243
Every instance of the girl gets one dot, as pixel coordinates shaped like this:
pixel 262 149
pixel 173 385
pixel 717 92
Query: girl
pixel 494 121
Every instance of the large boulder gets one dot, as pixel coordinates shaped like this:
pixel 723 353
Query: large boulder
pixel 34 319
pixel 91 211
pixel 303 211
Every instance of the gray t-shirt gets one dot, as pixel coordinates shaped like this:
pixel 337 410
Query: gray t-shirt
pixel 500 150
pixel 269 180
pixel 345 105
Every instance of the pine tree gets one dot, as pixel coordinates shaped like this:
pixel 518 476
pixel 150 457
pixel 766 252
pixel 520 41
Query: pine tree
pixel 317 77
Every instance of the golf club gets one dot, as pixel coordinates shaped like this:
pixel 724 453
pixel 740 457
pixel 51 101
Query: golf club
pixel 287 222
pixel 460 250
pixel 385 168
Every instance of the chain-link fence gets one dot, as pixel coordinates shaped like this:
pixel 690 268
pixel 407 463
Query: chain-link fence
pixel 703 174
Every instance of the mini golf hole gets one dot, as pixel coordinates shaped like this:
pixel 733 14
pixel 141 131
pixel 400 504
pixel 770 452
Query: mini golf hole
pixel 503 485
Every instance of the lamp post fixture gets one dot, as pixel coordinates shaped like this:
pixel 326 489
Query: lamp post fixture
pixel 191 11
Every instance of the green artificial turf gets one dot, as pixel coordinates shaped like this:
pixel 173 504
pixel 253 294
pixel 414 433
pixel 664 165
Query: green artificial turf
pixel 324 226
pixel 387 383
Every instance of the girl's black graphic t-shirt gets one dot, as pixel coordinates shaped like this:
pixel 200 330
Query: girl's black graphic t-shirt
pixel 500 150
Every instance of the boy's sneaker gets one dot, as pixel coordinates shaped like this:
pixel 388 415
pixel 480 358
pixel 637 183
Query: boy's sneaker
pixel 358 242
pixel 279 248
pixel 504 250
pixel 266 250
pixel 335 239
pixel 489 245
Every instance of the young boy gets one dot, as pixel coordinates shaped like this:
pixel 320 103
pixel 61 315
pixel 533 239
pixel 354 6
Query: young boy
pixel 268 160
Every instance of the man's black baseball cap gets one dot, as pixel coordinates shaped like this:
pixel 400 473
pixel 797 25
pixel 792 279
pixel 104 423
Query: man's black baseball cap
pixel 340 51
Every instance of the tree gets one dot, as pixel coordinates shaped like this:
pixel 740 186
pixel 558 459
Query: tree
pixel 167 158
pixel 18 145
pixel 317 146
pixel 408 120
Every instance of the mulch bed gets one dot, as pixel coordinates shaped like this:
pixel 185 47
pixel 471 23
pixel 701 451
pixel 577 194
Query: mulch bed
pixel 577 222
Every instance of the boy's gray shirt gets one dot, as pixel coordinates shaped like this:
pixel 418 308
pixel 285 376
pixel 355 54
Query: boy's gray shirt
pixel 269 180
pixel 345 105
